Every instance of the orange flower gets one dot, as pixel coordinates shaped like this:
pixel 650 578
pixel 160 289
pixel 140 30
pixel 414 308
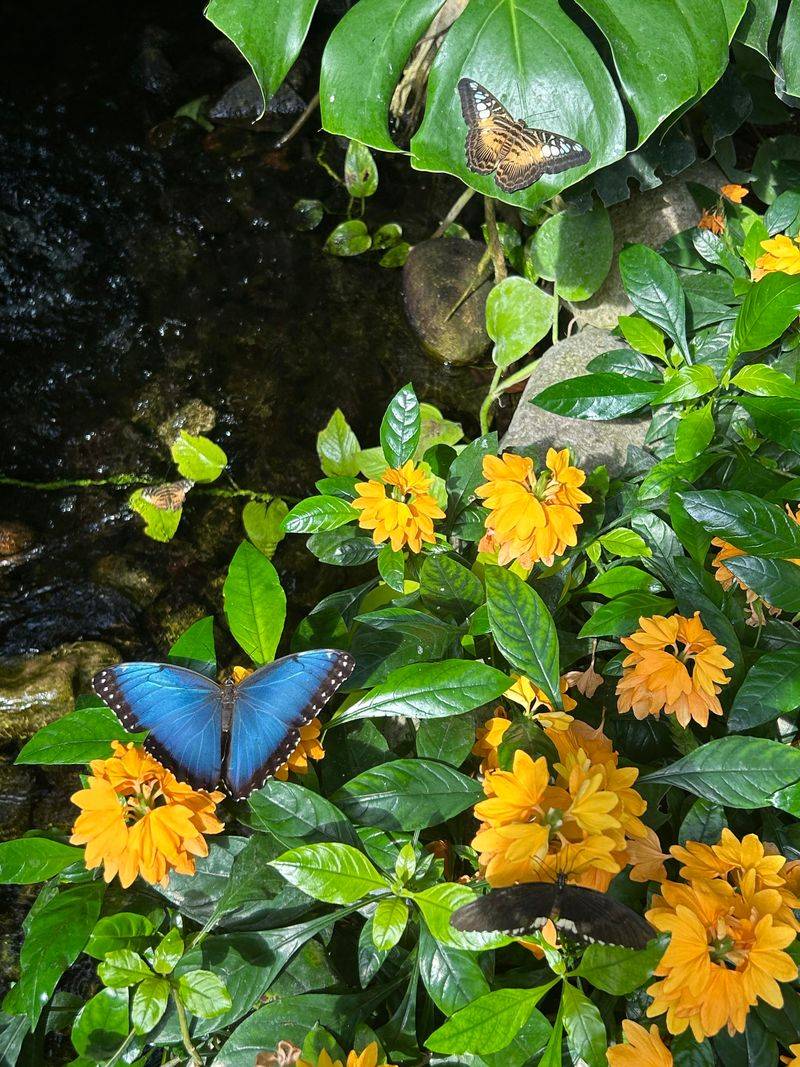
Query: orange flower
pixel 734 193
pixel 137 818
pixel 368 1057
pixel 404 516
pixel 531 518
pixel 489 738
pixel 656 675
pixel 285 1055
pixel 641 1049
pixel 308 747
pixel 647 859
pixel 726 952
pixel 530 697
pixel 713 221
pixel 781 253
pixel 794 1059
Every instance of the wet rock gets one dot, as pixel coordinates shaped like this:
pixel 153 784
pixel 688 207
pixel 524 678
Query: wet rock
pixel 168 623
pixel 36 690
pixel 135 580
pixel 15 537
pixel 649 218
pixel 153 72
pixel 65 611
pixel 194 417
pixel 436 276
pixel 593 443
pixel 242 103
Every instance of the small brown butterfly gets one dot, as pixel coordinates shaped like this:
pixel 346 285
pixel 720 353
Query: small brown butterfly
pixel 517 154
pixel 167 497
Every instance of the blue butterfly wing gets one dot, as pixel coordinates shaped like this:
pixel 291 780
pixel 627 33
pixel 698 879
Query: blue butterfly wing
pixel 271 705
pixel 182 710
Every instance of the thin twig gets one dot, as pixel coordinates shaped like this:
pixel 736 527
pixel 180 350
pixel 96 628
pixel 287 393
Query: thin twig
pixel 493 240
pixel 186 1037
pixel 475 282
pixel 454 212
pixel 295 128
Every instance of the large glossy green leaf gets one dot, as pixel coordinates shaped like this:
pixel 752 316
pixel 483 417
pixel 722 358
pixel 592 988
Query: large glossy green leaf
pixel 574 251
pixel 489 1023
pixel 290 810
pixel 407 794
pixel 618 970
pixel 449 588
pixel 34 859
pixel 466 474
pixel 430 691
pixel 602 396
pixel 771 688
pixel 524 630
pixel 620 616
pixel 318 514
pixel 78 737
pixel 777 418
pixel 745 521
pixel 268 33
pixel 101 1025
pixel 195 647
pixel 655 291
pixel 586 1032
pixel 769 307
pixel 776 580
pixel 401 427
pixel 255 603
pixel 450 740
pixel 518 314
pixel 335 873
pixel 452 976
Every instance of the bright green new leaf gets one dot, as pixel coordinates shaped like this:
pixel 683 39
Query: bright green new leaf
pixel 123 968
pixel 336 873
pixel 317 514
pixel 586 1033
pixel 123 930
pixel 760 379
pixel 338 447
pixel 34 859
pixel 618 970
pixel 401 427
pixel 168 952
pixel 489 1023
pixel 101 1025
pixel 197 458
pixel 255 603
pixel 688 383
pixel 624 543
pixel 195 648
pixel 203 993
pixel 159 524
pixel 574 251
pixel 149 1004
pixel 518 314
pixel 694 433
pixel 642 335
pixel 391 567
pixel 388 923
pixel 263 524
pixel 620 616
pixel 770 306
pixel 77 737
pixel 623 579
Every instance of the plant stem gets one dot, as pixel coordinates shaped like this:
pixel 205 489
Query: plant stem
pixel 295 128
pixel 493 240
pixel 454 212
pixel 556 309
pixel 491 396
pixel 186 1037
pixel 120 1050
pixel 123 480
pixel 475 282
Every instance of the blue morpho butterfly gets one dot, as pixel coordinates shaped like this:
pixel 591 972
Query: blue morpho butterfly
pixel 229 734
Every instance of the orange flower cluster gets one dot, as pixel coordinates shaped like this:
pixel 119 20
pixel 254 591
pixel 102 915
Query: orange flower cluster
pixel 404 515
pixel 712 220
pixel 289 1055
pixel 781 253
pixel 735 193
pixel 532 829
pixel 641 1049
pixel 727 578
pixel 730 923
pixel 675 666
pixel 531 517
pixel 138 819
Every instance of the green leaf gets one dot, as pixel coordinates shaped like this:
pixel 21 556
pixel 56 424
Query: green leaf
pixel 335 873
pixel 737 772
pixel 703 822
pixel 268 33
pixel 57 930
pixel 407 794
pixel 360 172
pixel 437 904
pixel 388 923
pixel 449 740
pixel 149 1004
pixel 290 811
pixel 255 603
pixel 574 251
pixel 101 1025
pixel 618 970
pixel 655 291
pixel 623 579
pixel 466 474
pixel 759 379
pixel 338 447
pixel 123 968
pixel 308 213
pixel 777 418
pixel 776 580
pixel 624 543
pixel 343 548
pixel 771 689
pixel 523 630
pixel 620 616
pixel 263 524
pixel 518 314
pixel 770 306
pixel 392 568
pixel 452 977
pixel 688 383
pixel 203 993
pixel 429 691
pixel 349 238
pixel 317 514
pixel 642 335
pixel 34 859
pixel 400 427
pixel 745 521
pixel 168 952
pixel 448 588
pixel 586 1032
pixel 627 362
pixel 197 458
pixel 77 737
pixel 694 433
pixel 195 648
pixel 159 524
pixel 489 1023
pixel 603 396
pixel 396 637
pixel 362 59
pixel 124 930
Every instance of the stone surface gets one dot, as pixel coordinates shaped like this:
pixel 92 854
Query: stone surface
pixel 36 690
pixel 436 275
pixel 593 443
pixel 242 103
pixel 127 576
pixel 648 218
pixel 194 417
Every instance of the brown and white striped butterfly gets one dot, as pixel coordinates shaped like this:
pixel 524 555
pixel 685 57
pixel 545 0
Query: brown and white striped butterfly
pixel 169 496
pixel 517 155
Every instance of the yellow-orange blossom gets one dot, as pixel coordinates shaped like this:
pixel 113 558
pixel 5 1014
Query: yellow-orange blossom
pixel 402 516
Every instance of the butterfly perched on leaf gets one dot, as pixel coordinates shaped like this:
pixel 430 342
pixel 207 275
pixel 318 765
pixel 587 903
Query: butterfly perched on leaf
pixel 582 915
pixel 169 496
pixel 235 735
pixel 517 154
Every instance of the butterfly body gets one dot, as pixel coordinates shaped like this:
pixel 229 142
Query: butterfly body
pixel 517 154
pixel 234 735
pixel 578 914
pixel 170 496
